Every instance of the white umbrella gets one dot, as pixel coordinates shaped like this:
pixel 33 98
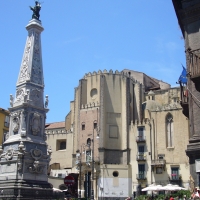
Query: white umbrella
pixel 177 187
pixel 153 188
pixel 159 188
pixel 169 187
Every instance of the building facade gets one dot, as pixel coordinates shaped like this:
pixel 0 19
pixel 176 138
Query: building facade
pixel 61 143
pixel 126 134
pixel 4 124
pixel 188 15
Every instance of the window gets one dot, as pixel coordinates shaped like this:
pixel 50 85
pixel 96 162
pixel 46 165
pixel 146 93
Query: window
pixel 7 121
pixel 88 141
pixel 83 126
pixel 141 149
pixel 141 133
pixel 174 173
pixel 88 156
pixel 60 145
pixel 95 125
pixel 141 155
pixel 115 173
pixel 5 135
pixel 93 93
pixel 159 170
pixel 169 128
pixel 141 171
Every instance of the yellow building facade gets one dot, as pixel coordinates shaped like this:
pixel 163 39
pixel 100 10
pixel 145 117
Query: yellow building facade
pixel 4 124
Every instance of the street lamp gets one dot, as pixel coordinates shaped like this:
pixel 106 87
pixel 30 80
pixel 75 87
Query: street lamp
pixel 92 189
pixel 93 162
pixel 79 167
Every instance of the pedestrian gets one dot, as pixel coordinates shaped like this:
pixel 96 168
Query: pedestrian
pixel 171 198
pixel 195 194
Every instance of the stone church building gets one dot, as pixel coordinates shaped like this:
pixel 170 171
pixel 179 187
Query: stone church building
pixel 125 130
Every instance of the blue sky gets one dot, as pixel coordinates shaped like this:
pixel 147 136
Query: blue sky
pixel 83 36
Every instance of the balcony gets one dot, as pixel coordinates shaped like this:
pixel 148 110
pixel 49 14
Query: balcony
pixel 141 176
pixel 141 157
pixel 194 65
pixel 158 163
pixel 175 177
pixel 140 139
pixel 184 100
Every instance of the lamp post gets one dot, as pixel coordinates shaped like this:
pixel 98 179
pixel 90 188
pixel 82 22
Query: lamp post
pixel 92 189
pixel 93 162
pixel 79 165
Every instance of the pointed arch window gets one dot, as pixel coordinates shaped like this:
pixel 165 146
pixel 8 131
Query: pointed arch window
pixel 169 130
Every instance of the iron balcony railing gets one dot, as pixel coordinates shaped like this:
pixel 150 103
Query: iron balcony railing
pixel 140 139
pixel 141 176
pixel 141 156
pixel 175 177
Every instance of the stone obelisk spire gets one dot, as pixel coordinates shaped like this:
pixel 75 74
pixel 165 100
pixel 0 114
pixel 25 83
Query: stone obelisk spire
pixel 24 158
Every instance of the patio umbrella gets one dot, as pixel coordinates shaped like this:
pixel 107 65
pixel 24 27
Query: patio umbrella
pixel 169 187
pixel 177 187
pixel 153 188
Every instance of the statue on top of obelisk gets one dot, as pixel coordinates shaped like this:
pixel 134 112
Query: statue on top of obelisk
pixel 36 10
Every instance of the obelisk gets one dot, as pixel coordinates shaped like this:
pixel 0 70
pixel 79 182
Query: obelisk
pixel 25 158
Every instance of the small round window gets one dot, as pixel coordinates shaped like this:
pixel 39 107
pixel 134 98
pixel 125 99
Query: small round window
pixel 115 174
pixel 93 93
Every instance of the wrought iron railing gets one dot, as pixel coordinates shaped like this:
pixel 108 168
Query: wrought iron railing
pixel 141 176
pixel 158 162
pixel 175 177
pixel 141 156
pixel 140 139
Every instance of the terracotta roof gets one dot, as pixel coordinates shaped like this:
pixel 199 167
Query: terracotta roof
pixel 55 125
pixel 4 110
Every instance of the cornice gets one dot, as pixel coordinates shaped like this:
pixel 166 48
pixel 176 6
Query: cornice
pixel 190 14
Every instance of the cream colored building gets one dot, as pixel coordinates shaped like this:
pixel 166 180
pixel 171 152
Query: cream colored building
pixel 132 127
pixel 60 141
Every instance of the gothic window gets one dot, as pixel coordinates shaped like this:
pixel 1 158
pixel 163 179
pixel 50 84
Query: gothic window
pixel 169 130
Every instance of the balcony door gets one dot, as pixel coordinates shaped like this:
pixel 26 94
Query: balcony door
pixel 141 133
pixel 141 171
pixel 174 173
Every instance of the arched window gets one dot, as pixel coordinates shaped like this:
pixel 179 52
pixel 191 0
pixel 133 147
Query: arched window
pixel 169 130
